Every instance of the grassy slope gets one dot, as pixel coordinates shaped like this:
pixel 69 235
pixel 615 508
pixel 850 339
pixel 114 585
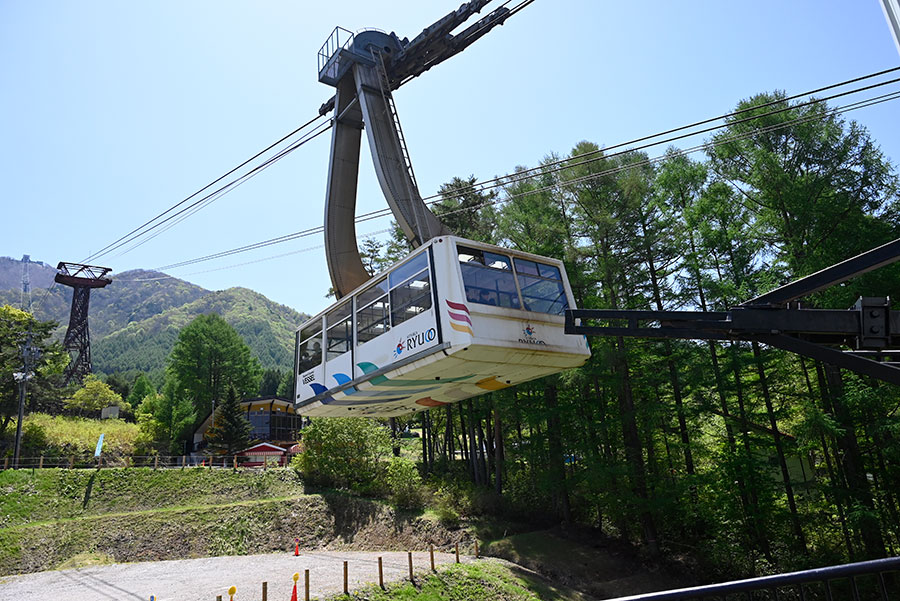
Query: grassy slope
pixel 58 435
pixel 602 567
pixel 51 516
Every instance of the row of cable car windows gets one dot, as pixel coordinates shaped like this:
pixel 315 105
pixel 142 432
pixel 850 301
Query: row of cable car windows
pixel 403 294
pixel 493 279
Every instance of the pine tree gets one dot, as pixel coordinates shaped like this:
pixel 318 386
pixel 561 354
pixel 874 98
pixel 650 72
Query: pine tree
pixel 230 431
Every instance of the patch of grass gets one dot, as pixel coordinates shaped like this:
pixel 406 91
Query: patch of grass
pixel 27 497
pixel 86 560
pixel 61 436
pixel 470 582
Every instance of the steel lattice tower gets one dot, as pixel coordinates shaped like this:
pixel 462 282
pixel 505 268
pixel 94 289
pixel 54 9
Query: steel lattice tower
pixel 82 278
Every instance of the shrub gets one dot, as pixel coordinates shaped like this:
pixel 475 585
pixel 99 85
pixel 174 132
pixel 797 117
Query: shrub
pixel 405 485
pixel 343 452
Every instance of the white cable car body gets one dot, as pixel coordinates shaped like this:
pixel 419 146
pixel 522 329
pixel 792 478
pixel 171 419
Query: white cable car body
pixel 453 320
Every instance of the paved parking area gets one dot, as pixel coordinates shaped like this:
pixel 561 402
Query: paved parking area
pixel 204 579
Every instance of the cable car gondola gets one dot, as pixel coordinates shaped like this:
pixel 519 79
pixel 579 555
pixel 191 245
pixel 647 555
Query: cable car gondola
pixel 453 320
pixel 456 318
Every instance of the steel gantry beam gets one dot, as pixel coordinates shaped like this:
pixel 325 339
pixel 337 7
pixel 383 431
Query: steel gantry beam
pixel 869 329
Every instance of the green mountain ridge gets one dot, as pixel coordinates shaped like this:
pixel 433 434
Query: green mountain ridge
pixel 267 327
pixel 135 321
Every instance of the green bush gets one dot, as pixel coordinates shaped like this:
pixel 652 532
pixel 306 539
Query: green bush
pixel 405 485
pixel 344 452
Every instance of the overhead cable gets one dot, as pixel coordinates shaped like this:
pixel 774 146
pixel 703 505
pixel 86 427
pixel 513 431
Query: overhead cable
pixel 381 213
pixel 140 229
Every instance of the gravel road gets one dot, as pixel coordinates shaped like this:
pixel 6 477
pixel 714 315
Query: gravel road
pixel 203 579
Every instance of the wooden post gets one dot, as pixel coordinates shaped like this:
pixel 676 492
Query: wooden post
pixel 431 555
pixel 6 463
pixel 457 552
pixel 306 585
pixel 476 548
pixel 380 575
pixel 346 592
pixel 265 463
pixel 71 461
pixel 41 462
pixel 409 557
pixel 265 596
pixel 156 462
pixel 183 461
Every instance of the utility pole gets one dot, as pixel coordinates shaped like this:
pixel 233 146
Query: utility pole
pixel 28 355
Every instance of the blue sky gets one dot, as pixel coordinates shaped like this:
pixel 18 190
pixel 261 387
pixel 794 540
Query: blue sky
pixel 113 111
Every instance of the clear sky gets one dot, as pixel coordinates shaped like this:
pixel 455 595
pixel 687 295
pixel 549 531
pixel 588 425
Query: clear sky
pixel 112 111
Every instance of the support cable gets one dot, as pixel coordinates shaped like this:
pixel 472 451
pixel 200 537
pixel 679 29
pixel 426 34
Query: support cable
pixel 141 227
pixel 649 161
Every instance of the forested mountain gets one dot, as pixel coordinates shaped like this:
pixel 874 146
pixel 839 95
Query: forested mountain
pixel 267 327
pixel 135 320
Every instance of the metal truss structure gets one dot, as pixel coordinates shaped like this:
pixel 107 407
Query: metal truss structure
pixel 869 328
pixel 82 279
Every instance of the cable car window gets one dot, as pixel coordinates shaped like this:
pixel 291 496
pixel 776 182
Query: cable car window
pixel 310 348
pixel 339 335
pixel 488 278
pixel 414 265
pixel 542 287
pixel 373 318
pixel 411 298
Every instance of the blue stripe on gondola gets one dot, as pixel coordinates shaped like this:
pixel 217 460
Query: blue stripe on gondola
pixel 341 378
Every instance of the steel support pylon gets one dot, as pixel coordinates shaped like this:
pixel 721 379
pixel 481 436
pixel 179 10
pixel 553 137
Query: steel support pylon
pixel 363 101
pixel 82 278
pixel 366 68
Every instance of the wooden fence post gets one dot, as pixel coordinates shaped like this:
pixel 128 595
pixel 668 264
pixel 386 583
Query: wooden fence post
pixel 409 557
pixel 346 592
pixel 156 462
pixel 6 463
pixel 41 462
pixel 380 574
pixel 265 595
pixel 306 585
pixel 476 548
pixel 431 554
pixel 183 461
pixel 235 461
pixel 457 552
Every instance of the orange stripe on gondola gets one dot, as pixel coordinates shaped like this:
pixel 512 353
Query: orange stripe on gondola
pixel 460 328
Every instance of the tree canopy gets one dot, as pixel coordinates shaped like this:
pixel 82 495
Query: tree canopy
pixel 209 357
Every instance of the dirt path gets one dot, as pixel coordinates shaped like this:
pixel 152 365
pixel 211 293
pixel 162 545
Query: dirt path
pixel 203 579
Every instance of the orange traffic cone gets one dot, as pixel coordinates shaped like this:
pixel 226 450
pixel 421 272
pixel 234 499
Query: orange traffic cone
pixel 294 594
pixel 296 547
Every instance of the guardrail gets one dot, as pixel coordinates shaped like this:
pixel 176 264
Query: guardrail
pixel 151 461
pixel 859 581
